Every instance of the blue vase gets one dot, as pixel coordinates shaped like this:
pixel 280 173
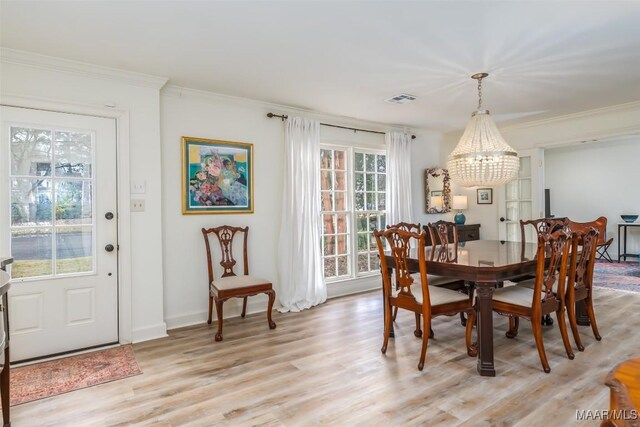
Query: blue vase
pixel 459 218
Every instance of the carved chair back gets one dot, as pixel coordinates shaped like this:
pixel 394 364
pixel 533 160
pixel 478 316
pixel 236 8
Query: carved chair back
pixel 406 226
pixel 399 243
pixel 555 246
pixel 225 235
pixel 583 254
pixel 446 233
pixel 541 225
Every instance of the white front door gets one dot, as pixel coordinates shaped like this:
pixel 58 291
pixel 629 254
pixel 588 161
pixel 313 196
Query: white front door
pixel 59 222
pixel 521 199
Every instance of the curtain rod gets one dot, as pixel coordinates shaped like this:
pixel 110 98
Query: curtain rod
pixel 284 117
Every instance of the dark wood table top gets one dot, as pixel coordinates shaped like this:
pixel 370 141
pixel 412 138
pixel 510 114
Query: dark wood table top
pixel 482 260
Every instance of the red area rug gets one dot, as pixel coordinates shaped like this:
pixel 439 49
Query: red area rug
pixel 59 376
pixel 624 276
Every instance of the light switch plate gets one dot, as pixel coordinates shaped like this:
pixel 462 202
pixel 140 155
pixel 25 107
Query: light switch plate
pixel 137 205
pixel 138 187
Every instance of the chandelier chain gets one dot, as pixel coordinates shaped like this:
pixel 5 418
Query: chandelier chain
pixel 480 93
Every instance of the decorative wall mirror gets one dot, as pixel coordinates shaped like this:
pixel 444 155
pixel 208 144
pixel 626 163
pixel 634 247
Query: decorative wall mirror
pixel 437 193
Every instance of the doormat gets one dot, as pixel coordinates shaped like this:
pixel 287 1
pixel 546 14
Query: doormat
pixel 624 276
pixel 45 379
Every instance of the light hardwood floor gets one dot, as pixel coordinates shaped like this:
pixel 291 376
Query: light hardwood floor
pixel 324 366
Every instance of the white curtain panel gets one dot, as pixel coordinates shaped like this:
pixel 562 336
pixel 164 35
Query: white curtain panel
pixel 300 261
pixel 399 206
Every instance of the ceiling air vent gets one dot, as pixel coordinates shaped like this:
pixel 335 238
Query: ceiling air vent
pixel 403 98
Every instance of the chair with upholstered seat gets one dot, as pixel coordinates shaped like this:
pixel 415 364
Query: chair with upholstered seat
pixel 547 295
pixel 580 279
pixel 230 285
pixel 540 225
pixel 434 280
pixel 445 233
pixel 427 301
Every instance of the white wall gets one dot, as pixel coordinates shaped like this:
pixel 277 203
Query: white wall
pixel 68 86
pixel 187 112
pixel 597 179
pixel 427 152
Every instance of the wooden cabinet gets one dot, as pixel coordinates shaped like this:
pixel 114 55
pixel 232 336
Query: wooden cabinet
pixel 5 284
pixel 466 233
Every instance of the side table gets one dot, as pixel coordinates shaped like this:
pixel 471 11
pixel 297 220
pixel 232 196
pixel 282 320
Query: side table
pixel 623 226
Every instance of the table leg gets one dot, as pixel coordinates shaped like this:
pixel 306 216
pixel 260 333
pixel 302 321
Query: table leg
pixel 485 329
pixel 582 318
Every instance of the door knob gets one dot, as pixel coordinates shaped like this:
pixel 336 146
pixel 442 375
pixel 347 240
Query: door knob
pixel 503 219
pixel 109 215
pixel 109 248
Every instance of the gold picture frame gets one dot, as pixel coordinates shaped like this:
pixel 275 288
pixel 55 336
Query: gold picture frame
pixel 217 176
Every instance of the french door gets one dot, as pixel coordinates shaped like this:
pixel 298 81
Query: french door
pixel 521 199
pixel 59 223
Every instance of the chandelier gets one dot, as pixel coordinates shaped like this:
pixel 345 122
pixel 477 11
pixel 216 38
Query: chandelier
pixel 482 157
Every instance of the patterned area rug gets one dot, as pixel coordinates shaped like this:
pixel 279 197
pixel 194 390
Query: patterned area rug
pixel 59 376
pixel 621 277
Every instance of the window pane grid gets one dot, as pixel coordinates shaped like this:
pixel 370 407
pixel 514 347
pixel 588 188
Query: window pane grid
pixel 336 230
pixel 347 252
pixel 52 203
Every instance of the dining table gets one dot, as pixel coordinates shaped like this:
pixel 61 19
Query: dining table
pixel 487 263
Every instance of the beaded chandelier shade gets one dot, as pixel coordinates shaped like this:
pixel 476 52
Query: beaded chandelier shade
pixel 482 157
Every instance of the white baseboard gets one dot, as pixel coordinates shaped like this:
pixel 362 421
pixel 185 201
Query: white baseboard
pixel 354 286
pixel 258 304
pixel 232 308
pixel 149 333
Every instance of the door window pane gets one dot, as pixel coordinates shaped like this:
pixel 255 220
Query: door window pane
pixel 525 167
pixel 42 203
pixel 73 202
pixel 31 202
pixel 74 249
pixel 525 189
pixel 512 190
pixel 30 152
pixel 73 154
pixel 31 250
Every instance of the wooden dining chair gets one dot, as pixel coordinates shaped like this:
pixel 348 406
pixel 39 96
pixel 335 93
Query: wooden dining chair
pixel 230 285
pixel 580 279
pixel 413 228
pixel 546 297
pixel 540 225
pixel 434 280
pixel 446 234
pixel 427 301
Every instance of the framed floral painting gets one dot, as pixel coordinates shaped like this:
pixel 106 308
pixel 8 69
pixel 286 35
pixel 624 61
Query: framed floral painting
pixel 217 176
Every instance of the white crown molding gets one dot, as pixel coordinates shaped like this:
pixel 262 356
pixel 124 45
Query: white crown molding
pixel 621 132
pixel 35 60
pixel 627 107
pixel 175 91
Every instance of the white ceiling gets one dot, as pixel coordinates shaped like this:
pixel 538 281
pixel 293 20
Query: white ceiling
pixel 345 57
